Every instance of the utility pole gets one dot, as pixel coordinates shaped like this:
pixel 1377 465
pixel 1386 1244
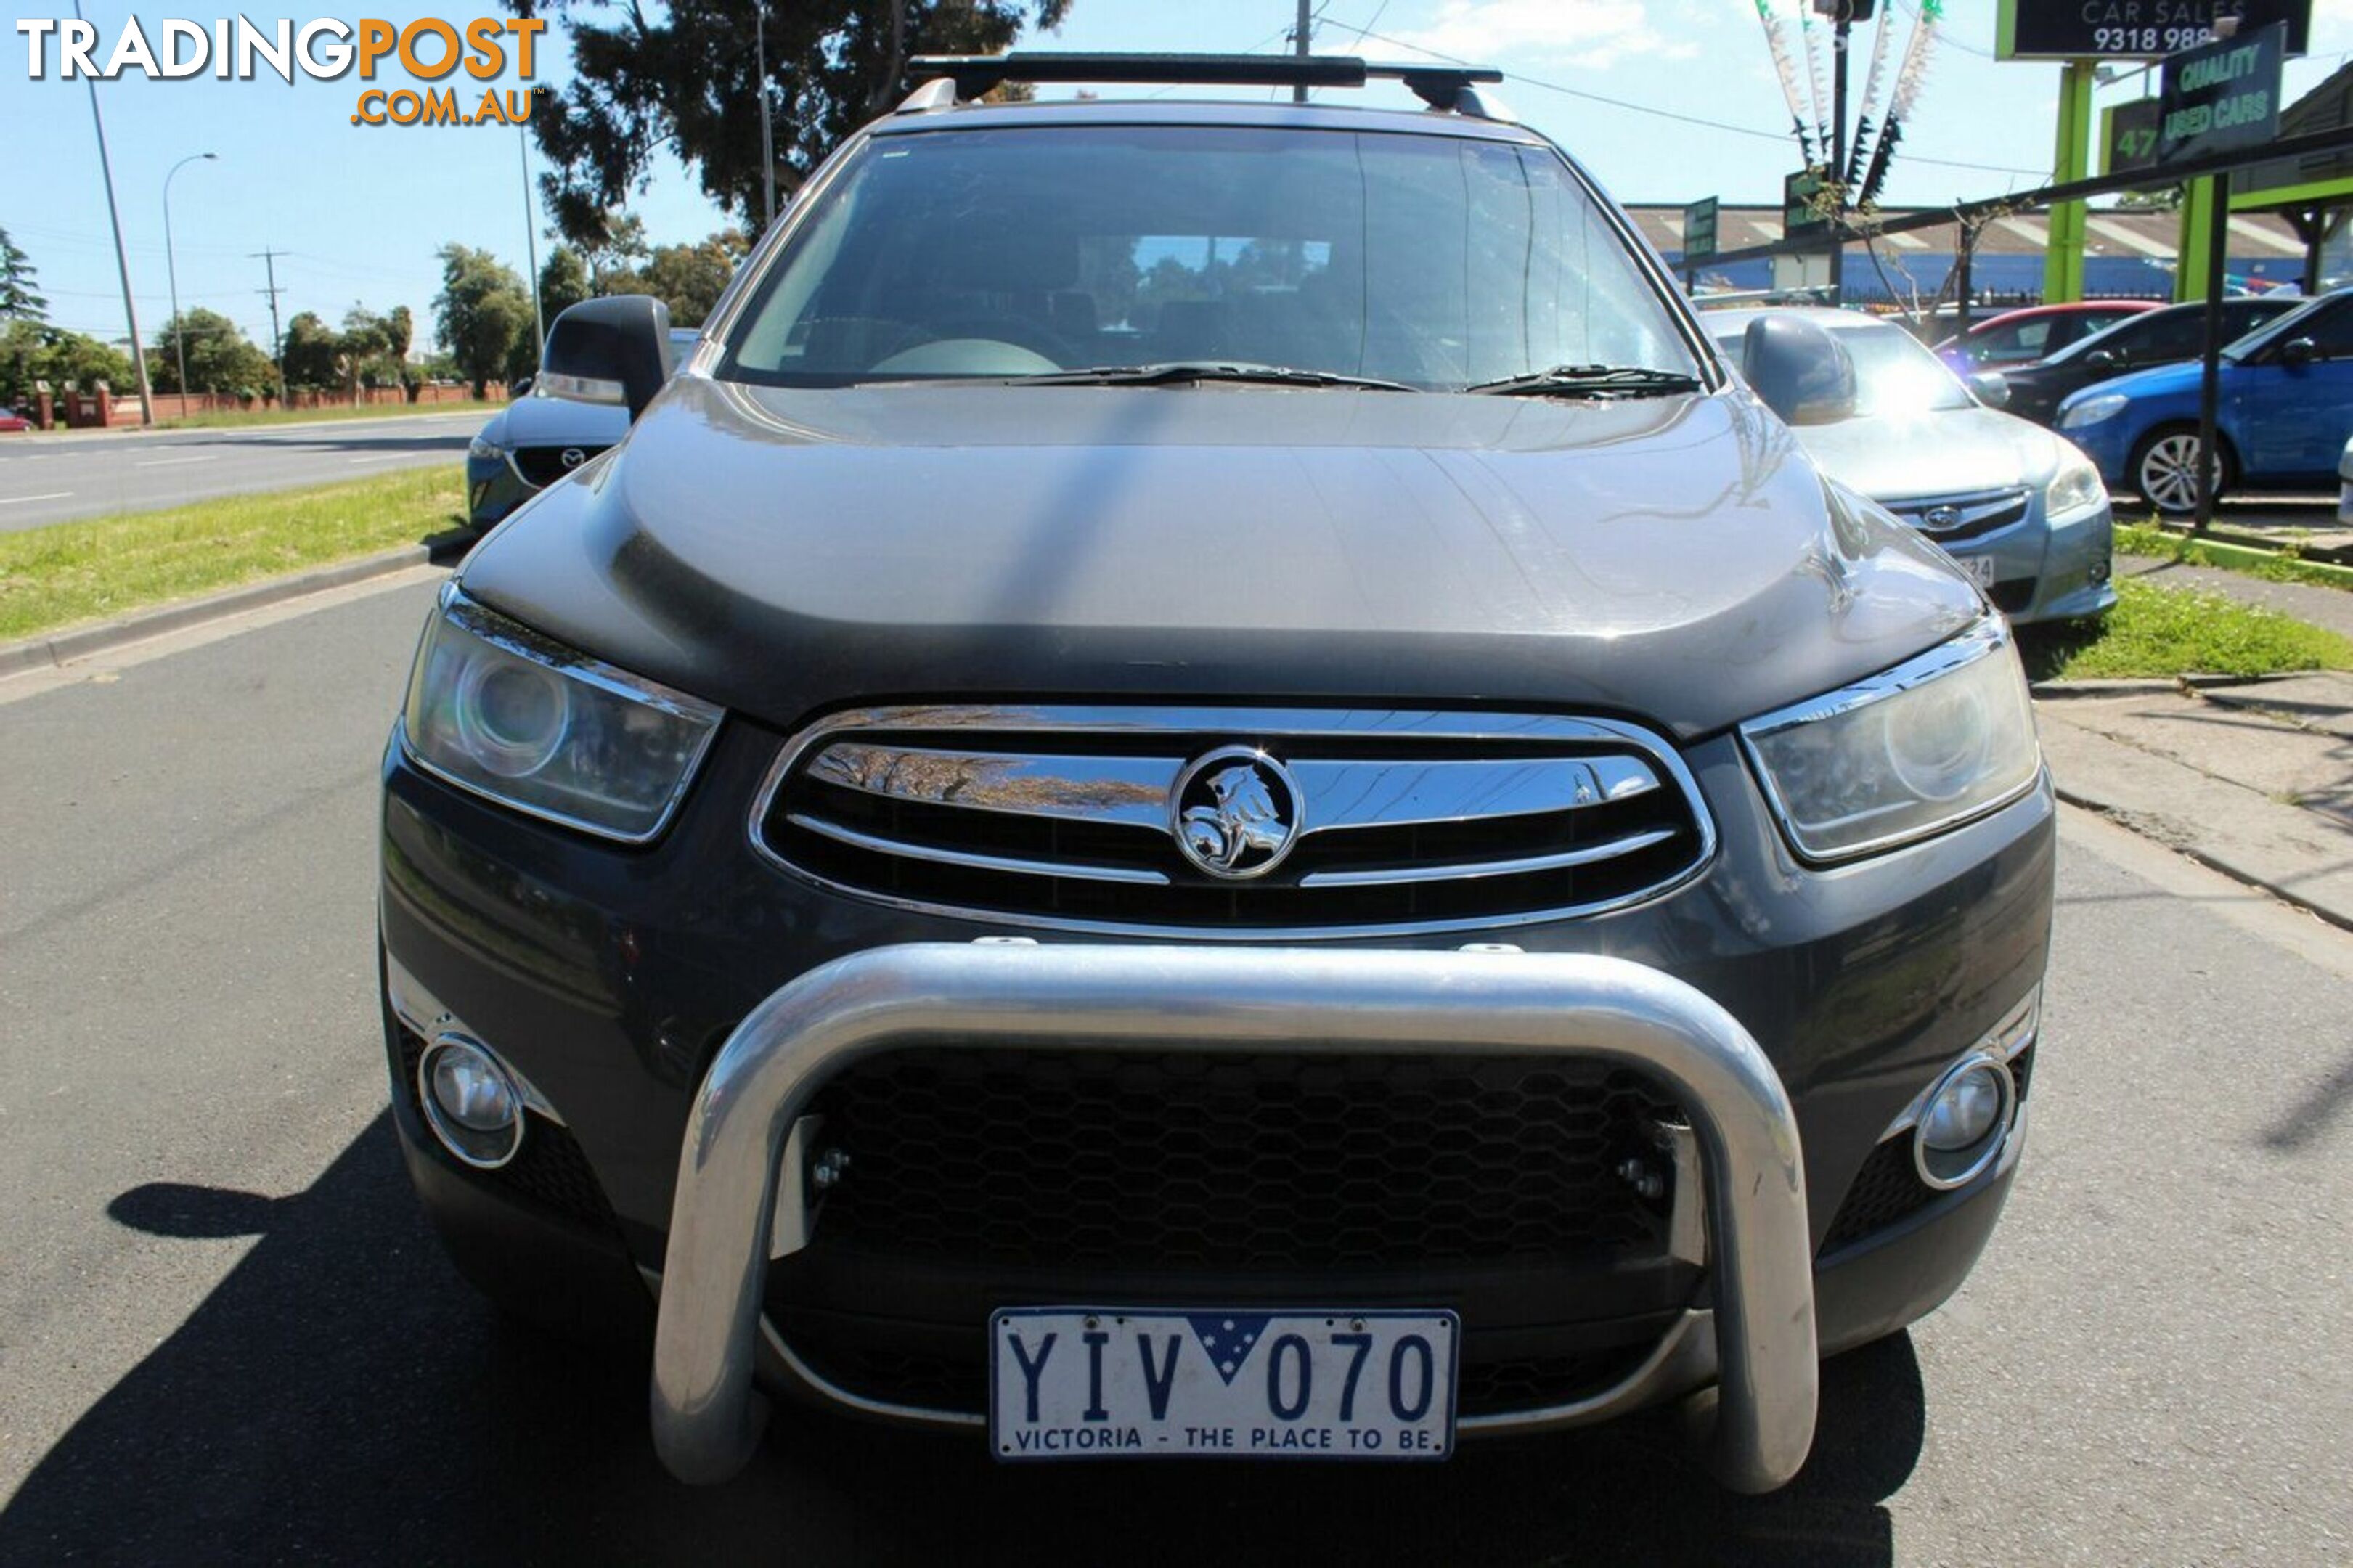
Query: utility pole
pixel 268 258
pixel 531 238
pixel 767 136
pixel 122 258
pixel 1838 148
pixel 1299 34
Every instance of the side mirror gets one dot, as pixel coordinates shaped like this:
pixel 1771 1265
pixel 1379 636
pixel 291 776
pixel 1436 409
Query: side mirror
pixel 2296 352
pixel 2101 359
pixel 522 387
pixel 613 350
pixel 1992 388
pixel 1799 370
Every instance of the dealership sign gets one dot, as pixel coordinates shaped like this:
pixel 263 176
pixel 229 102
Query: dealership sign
pixel 1699 230
pixel 2223 95
pixel 2132 30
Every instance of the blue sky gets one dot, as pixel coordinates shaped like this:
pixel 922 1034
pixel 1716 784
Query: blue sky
pixel 360 210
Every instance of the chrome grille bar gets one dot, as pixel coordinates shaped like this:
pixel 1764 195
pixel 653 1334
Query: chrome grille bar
pixel 1588 856
pixel 834 830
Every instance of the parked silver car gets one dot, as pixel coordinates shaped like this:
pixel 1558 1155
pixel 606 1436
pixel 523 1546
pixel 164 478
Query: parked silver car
pixel 538 438
pixel 2022 510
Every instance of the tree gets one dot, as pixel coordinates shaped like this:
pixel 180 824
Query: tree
pixel 683 77
pixel 220 357
pixel 563 281
pixel 689 278
pixel 309 350
pixel 17 301
pixel 33 351
pixel 482 312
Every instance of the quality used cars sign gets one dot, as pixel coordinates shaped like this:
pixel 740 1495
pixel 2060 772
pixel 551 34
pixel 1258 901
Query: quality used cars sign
pixel 430 50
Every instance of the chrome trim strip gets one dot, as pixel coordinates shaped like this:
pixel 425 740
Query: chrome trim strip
pixel 978 862
pixel 1465 871
pixel 1134 791
pixel 1109 997
pixel 478 619
pixel 1260 724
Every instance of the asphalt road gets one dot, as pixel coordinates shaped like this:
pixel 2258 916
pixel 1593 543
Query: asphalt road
pixel 53 478
pixel 226 1334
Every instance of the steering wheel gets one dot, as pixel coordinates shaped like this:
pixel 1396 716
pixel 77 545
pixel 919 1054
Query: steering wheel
pixel 1021 333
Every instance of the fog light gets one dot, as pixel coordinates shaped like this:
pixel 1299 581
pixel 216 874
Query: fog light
pixel 470 1103
pixel 1962 1125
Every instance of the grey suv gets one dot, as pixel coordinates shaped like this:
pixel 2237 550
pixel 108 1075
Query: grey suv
pixel 1204 785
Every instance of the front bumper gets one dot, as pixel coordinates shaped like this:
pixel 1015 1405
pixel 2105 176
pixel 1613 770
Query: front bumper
pixel 493 489
pixel 612 978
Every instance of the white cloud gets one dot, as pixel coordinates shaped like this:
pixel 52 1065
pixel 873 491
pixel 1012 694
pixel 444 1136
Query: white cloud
pixel 1593 32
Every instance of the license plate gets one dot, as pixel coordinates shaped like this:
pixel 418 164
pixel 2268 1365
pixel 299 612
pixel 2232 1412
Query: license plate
pixel 1978 567
pixel 1072 1383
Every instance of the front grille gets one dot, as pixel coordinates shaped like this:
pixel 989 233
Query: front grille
pixel 550 1168
pixel 1265 1162
pixel 1363 819
pixel 542 466
pixel 1949 519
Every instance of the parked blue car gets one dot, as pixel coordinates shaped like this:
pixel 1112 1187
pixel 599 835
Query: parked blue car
pixel 2287 406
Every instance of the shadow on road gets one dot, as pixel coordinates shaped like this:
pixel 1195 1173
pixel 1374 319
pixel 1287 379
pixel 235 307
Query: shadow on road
pixel 342 1396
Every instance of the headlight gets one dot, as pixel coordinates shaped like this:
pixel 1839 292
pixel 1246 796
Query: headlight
pixel 1927 745
pixel 502 711
pixel 2092 410
pixel 2075 488
pixel 489 451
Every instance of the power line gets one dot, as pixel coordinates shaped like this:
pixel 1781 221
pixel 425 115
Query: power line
pixel 1654 109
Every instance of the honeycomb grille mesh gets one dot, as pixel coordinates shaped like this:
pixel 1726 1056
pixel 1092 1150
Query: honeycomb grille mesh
pixel 1272 1161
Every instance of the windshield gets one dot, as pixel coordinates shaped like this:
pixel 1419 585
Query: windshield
pixel 1433 261
pixel 2278 329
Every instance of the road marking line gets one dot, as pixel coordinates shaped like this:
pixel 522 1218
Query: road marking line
pixel 169 462
pixel 380 458
pixel 19 500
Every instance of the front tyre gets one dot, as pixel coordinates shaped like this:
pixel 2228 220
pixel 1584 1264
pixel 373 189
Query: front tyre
pixel 2165 470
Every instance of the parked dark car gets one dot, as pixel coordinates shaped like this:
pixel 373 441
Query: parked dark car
pixel 2021 508
pixel 1207 786
pixel 538 440
pixel 2284 410
pixel 2169 336
pixel 2034 332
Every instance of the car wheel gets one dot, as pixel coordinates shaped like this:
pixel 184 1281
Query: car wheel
pixel 2165 470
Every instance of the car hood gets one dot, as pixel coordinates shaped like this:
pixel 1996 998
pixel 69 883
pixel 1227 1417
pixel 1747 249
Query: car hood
pixel 783 551
pixel 1948 452
pixel 556 422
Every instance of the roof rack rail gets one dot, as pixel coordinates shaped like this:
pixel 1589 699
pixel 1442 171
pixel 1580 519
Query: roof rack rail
pixel 1447 87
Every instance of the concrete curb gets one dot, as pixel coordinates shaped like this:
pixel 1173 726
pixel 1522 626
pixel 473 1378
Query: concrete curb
pixel 82 642
pixel 2228 866
pixel 2148 686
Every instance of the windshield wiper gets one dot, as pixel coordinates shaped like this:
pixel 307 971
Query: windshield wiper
pixel 1589 381
pixel 1178 373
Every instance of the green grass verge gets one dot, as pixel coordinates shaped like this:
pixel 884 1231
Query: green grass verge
pixel 2165 632
pixel 104 566
pixel 230 418
pixel 2273 566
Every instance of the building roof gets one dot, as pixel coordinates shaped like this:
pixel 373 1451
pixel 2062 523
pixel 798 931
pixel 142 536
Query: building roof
pixel 2110 231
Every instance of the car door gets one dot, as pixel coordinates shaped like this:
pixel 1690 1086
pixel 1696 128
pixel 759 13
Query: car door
pixel 2288 421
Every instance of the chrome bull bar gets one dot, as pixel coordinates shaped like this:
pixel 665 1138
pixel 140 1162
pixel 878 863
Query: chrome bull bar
pixel 707 1417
